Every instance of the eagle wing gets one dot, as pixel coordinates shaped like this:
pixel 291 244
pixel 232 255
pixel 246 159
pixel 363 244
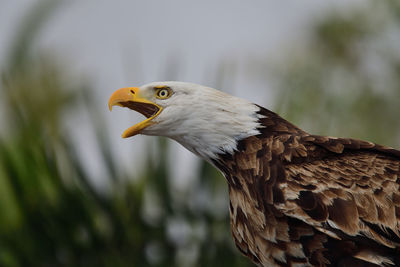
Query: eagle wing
pixel 347 189
pixel 297 198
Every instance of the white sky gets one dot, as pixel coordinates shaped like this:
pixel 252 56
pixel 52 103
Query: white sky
pixel 126 43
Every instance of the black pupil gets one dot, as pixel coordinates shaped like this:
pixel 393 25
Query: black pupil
pixel 163 93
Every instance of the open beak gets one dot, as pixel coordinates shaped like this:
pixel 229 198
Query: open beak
pixel 130 97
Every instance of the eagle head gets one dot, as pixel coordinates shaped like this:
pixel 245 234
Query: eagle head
pixel 206 121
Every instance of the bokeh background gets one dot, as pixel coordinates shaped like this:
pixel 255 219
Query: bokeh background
pixel 73 193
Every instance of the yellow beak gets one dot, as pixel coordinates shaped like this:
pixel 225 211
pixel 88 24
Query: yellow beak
pixel 130 97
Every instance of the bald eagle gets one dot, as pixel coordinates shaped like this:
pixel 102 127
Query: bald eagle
pixel 296 199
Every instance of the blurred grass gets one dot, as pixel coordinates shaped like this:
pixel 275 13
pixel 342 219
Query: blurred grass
pixel 51 214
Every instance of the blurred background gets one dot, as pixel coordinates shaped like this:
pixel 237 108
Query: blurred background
pixel 74 193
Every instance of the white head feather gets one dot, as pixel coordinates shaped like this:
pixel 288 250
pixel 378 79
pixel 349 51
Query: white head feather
pixel 204 120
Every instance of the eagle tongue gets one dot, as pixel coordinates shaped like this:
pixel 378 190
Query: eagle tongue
pixel 148 110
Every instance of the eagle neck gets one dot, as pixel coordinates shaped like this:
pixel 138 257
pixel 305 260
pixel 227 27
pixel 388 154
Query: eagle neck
pixel 209 137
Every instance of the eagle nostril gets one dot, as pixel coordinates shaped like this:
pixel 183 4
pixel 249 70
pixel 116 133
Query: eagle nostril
pixel 133 92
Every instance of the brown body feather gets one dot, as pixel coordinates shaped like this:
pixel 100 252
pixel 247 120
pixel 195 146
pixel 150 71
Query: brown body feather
pixel 303 200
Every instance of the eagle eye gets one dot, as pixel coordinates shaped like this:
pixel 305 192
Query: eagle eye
pixel 163 93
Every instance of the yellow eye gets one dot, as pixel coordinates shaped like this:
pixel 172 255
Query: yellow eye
pixel 163 93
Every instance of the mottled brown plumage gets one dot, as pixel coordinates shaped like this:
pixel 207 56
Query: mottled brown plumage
pixel 304 200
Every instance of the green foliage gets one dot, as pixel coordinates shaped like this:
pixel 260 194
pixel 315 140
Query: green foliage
pixel 345 80
pixel 51 214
